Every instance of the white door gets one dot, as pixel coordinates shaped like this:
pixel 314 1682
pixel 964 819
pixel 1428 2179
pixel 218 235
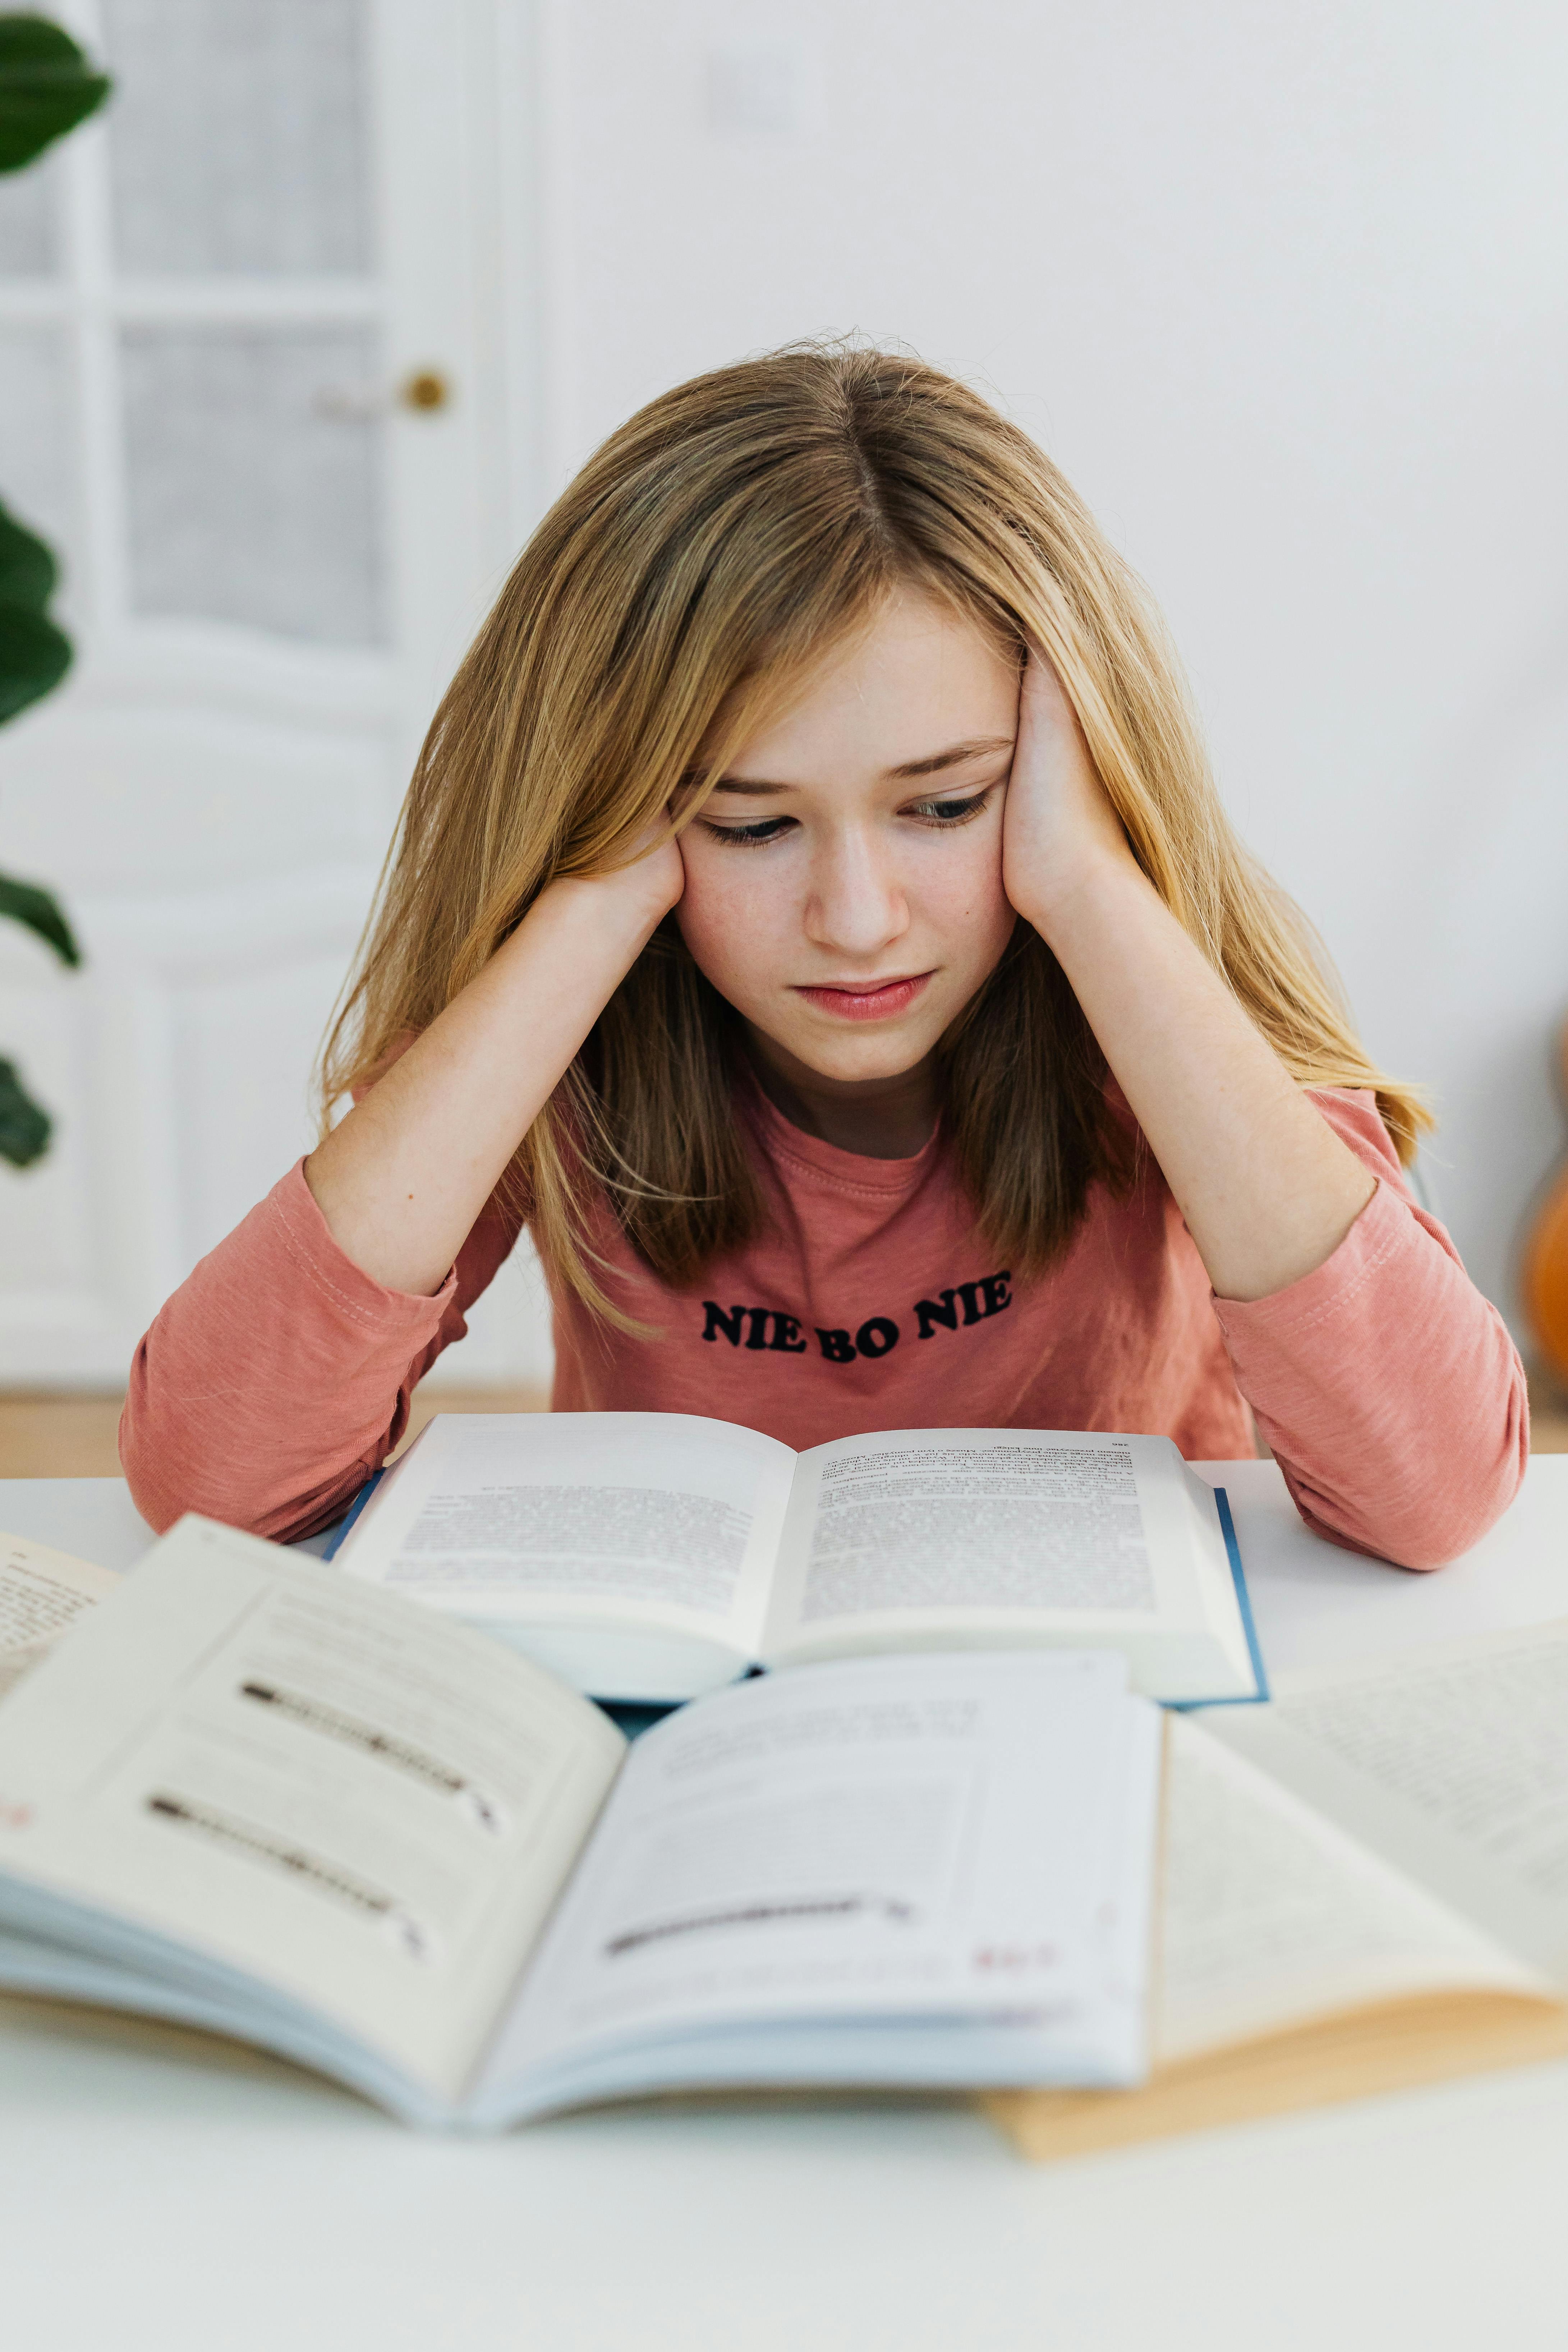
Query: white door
pixel 265 351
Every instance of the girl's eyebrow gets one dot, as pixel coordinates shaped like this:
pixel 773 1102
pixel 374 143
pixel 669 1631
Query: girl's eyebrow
pixel 977 747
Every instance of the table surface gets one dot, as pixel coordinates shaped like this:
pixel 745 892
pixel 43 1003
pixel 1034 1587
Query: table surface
pixel 185 2196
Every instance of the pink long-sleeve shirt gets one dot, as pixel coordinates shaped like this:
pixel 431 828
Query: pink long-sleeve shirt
pixel 278 1377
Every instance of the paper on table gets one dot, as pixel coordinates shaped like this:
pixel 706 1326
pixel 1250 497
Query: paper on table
pixel 1272 1917
pixel 1452 1764
pixel 41 1593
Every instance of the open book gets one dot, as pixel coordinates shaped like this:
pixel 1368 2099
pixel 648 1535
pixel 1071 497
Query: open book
pixel 248 1793
pixel 1365 1886
pixel 651 1554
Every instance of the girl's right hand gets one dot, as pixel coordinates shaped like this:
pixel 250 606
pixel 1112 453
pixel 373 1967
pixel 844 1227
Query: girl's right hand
pixel 402 1180
pixel 655 874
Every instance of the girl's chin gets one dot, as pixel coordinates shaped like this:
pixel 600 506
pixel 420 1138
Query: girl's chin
pixel 863 1057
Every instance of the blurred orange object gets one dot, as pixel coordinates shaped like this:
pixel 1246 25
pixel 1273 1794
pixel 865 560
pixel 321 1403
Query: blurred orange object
pixel 1546 1261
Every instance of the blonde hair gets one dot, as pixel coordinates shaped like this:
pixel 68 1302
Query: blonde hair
pixel 684 586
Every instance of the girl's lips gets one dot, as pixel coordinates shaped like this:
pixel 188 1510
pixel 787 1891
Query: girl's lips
pixel 877 1001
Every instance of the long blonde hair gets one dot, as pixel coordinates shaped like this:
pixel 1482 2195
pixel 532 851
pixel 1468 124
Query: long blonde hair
pixel 684 586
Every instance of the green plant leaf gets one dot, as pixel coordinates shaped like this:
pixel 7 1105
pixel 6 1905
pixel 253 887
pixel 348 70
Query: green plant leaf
pixel 25 902
pixel 46 87
pixel 34 654
pixel 27 570
pixel 24 1125
pixel 34 657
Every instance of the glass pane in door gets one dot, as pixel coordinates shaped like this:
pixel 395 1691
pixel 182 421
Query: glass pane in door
pixel 36 449
pixel 237 136
pixel 29 221
pixel 252 475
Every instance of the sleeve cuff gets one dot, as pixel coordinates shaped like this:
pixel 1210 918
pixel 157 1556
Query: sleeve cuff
pixel 1332 1290
pixel 344 1287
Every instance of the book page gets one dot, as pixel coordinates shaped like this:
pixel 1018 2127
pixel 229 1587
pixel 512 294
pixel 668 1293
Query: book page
pixel 938 1535
pixel 338 1795
pixel 1271 1916
pixel 1452 1764
pixel 41 1592
pixel 665 1518
pixel 890 1838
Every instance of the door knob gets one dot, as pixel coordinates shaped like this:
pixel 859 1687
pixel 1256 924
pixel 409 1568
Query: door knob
pixel 425 389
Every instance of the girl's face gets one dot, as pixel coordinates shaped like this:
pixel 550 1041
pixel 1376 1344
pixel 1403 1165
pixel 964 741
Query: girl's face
pixel 843 882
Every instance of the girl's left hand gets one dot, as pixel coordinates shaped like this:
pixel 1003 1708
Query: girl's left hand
pixel 1266 1188
pixel 1059 828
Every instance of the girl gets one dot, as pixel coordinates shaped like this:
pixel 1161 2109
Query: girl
pixel 813 918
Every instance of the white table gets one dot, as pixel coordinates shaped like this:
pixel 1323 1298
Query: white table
pixel 206 2201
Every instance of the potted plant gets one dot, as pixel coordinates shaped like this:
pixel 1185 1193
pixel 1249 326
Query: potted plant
pixel 46 87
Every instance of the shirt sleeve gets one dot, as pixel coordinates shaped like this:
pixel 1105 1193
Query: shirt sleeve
pixel 1388 1389
pixel 278 1377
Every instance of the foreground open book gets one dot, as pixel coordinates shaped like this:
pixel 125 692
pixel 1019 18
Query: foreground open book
pixel 652 1555
pixel 249 1794
pixel 1365 1886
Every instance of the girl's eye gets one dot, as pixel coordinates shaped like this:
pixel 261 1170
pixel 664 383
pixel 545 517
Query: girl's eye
pixel 942 812
pixel 951 811
pixel 768 829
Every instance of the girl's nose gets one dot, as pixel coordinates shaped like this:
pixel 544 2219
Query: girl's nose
pixel 855 905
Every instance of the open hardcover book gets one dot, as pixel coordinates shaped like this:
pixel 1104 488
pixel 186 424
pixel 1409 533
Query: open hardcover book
pixel 652 1555
pixel 1365 1886
pixel 249 1794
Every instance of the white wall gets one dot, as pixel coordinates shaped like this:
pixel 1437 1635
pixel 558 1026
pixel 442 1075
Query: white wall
pixel 1279 283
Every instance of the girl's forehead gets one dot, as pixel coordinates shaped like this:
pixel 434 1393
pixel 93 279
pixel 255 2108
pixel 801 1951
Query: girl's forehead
pixel 918 678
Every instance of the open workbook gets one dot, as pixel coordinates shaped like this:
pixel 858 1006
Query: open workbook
pixel 652 1555
pixel 249 1794
pixel 1365 1886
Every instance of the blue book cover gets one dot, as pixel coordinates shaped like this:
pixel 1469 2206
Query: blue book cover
pixel 1260 1697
